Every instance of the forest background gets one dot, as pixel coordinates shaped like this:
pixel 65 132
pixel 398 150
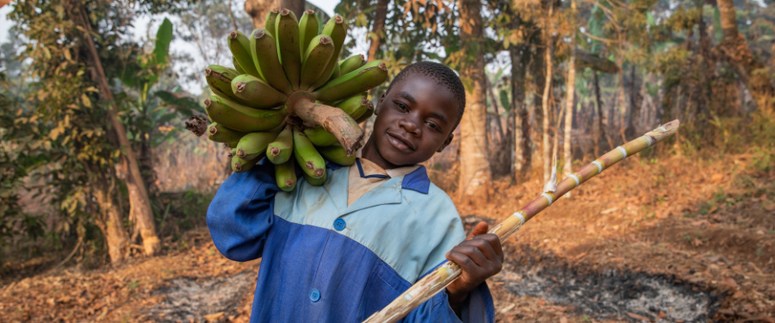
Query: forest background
pixel 97 171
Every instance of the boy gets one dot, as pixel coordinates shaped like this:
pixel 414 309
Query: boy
pixel 342 251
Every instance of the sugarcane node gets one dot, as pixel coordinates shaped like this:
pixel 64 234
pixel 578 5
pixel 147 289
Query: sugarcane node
pixel 311 165
pixel 274 151
pixel 233 34
pixel 319 172
pixel 289 182
pixel 241 153
pixel 240 86
pixel 259 33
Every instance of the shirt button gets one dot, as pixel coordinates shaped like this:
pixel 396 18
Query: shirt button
pixel 314 295
pixel 339 224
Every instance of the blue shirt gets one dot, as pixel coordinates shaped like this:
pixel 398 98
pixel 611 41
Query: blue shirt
pixel 325 261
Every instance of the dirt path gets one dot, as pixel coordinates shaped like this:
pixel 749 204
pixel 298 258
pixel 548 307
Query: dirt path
pixel 641 243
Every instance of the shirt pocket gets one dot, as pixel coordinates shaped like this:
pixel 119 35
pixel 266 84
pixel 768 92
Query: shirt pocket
pixel 383 286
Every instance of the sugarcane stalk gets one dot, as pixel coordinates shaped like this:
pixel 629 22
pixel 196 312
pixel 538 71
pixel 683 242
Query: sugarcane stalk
pixel 448 271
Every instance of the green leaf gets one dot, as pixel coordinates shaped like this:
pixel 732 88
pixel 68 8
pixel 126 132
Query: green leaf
pixel 650 19
pixel 717 23
pixel 163 39
pixel 504 98
pixel 184 105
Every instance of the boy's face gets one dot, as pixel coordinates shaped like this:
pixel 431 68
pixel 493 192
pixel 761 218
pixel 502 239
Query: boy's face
pixel 414 120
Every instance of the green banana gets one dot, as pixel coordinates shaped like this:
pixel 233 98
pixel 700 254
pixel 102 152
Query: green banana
pixel 366 115
pixel 254 144
pixel 257 92
pixel 219 133
pixel 315 60
pixel 320 137
pixel 285 175
pixel 337 30
pixel 307 156
pixel 241 118
pixel 232 145
pixel 351 63
pixel 236 65
pixel 337 155
pixel 264 50
pixel 219 79
pixel 360 80
pixel 279 151
pixel 315 181
pixel 308 29
pixel 355 106
pixel 239 44
pixel 271 17
pixel 232 153
pixel 288 49
pixel 239 165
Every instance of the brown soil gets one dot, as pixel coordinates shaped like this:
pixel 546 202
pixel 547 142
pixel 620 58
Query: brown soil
pixel 671 241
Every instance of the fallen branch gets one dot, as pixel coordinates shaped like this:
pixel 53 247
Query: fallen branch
pixel 448 271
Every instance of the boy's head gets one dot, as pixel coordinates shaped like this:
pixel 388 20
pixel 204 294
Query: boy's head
pixel 417 114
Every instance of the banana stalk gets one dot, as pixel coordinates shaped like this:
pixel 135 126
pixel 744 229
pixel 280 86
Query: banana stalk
pixel 447 272
pixel 333 120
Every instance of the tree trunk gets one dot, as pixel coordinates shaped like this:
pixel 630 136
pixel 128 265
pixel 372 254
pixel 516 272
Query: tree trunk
pixel 547 91
pixel 600 117
pixel 140 205
pixel 735 49
pixel 258 9
pixel 475 176
pixel 519 54
pixel 570 96
pixel 497 116
pixel 378 29
pixel 109 219
pixel 633 110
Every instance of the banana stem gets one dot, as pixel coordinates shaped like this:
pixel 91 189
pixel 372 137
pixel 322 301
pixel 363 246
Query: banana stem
pixel 448 271
pixel 334 120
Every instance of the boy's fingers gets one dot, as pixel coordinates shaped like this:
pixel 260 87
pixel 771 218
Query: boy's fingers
pixel 484 247
pixel 479 229
pixel 494 242
pixel 465 263
pixel 474 253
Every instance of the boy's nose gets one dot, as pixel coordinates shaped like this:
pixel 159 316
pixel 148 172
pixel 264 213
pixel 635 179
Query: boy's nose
pixel 410 127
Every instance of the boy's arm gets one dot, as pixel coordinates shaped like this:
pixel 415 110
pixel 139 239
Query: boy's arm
pixel 469 302
pixel 241 212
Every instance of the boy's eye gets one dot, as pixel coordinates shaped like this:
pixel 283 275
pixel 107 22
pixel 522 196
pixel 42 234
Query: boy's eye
pixel 401 106
pixel 434 126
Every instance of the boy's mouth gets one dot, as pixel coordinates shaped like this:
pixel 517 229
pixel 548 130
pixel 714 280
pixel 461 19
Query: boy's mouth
pixel 400 143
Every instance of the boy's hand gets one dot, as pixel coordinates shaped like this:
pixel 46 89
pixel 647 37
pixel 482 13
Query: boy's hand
pixel 480 257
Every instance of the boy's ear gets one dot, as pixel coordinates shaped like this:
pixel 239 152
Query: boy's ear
pixel 379 103
pixel 446 143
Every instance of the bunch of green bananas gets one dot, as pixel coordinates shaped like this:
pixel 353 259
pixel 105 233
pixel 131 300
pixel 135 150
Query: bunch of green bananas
pixel 289 95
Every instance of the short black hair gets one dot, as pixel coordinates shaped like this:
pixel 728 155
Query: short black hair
pixel 443 75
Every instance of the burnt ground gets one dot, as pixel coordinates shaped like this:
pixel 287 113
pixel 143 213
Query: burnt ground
pixel 690 243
